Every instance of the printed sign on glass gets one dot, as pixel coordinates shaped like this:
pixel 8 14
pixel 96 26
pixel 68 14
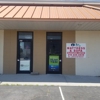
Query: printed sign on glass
pixel 53 63
pixel 24 65
pixel 75 50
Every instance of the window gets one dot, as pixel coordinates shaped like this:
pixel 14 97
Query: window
pixel 25 35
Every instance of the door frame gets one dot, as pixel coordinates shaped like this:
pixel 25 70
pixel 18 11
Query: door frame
pixel 47 60
pixel 18 54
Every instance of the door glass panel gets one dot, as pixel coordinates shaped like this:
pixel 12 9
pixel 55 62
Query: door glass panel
pixel 25 35
pixel 25 50
pixel 54 52
pixel 53 37
pixel 54 47
pixel 53 62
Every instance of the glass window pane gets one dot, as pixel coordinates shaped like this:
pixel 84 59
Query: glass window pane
pixel 53 37
pixel 25 51
pixel 25 35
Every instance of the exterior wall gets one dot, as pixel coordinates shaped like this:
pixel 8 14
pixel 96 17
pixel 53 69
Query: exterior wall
pixel 90 65
pixel 68 64
pixel 1 50
pixel 10 51
pixel 39 52
pixel 10 55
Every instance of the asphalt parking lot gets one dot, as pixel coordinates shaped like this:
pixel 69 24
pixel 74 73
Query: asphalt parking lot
pixel 49 93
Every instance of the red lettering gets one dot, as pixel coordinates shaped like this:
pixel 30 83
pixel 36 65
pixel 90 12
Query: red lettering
pixel 69 55
pixel 67 47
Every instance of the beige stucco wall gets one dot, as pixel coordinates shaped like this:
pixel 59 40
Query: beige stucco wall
pixel 1 50
pixel 68 64
pixel 91 64
pixel 39 55
pixel 85 66
pixel 39 52
pixel 10 51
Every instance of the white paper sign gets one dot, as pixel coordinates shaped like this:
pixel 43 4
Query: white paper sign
pixel 75 50
pixel 24 65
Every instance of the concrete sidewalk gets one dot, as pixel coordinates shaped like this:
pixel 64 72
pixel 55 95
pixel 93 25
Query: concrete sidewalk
pixel 49 79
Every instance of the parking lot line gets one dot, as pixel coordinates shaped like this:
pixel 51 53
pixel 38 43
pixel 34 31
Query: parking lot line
pixel 61 93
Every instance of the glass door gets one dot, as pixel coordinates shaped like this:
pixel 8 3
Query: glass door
pixel 24 56
pixel 54 53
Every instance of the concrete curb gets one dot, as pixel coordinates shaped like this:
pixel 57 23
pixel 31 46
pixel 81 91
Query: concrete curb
pixel 51 84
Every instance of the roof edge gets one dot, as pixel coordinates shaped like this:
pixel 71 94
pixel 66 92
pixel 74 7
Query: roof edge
pixel 49 3
pixel 93 7
pixel 45 19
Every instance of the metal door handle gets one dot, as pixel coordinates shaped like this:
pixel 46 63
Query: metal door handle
pixel 60 60
pixel 17 59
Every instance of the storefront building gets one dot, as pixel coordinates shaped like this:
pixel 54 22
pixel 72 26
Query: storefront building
pixel 37 38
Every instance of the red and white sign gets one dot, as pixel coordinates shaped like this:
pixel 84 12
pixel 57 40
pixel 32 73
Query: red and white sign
pixel 75 50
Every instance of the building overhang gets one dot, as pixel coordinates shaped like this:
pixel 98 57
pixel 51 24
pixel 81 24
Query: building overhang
pixel 50 25
pixel 40 17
